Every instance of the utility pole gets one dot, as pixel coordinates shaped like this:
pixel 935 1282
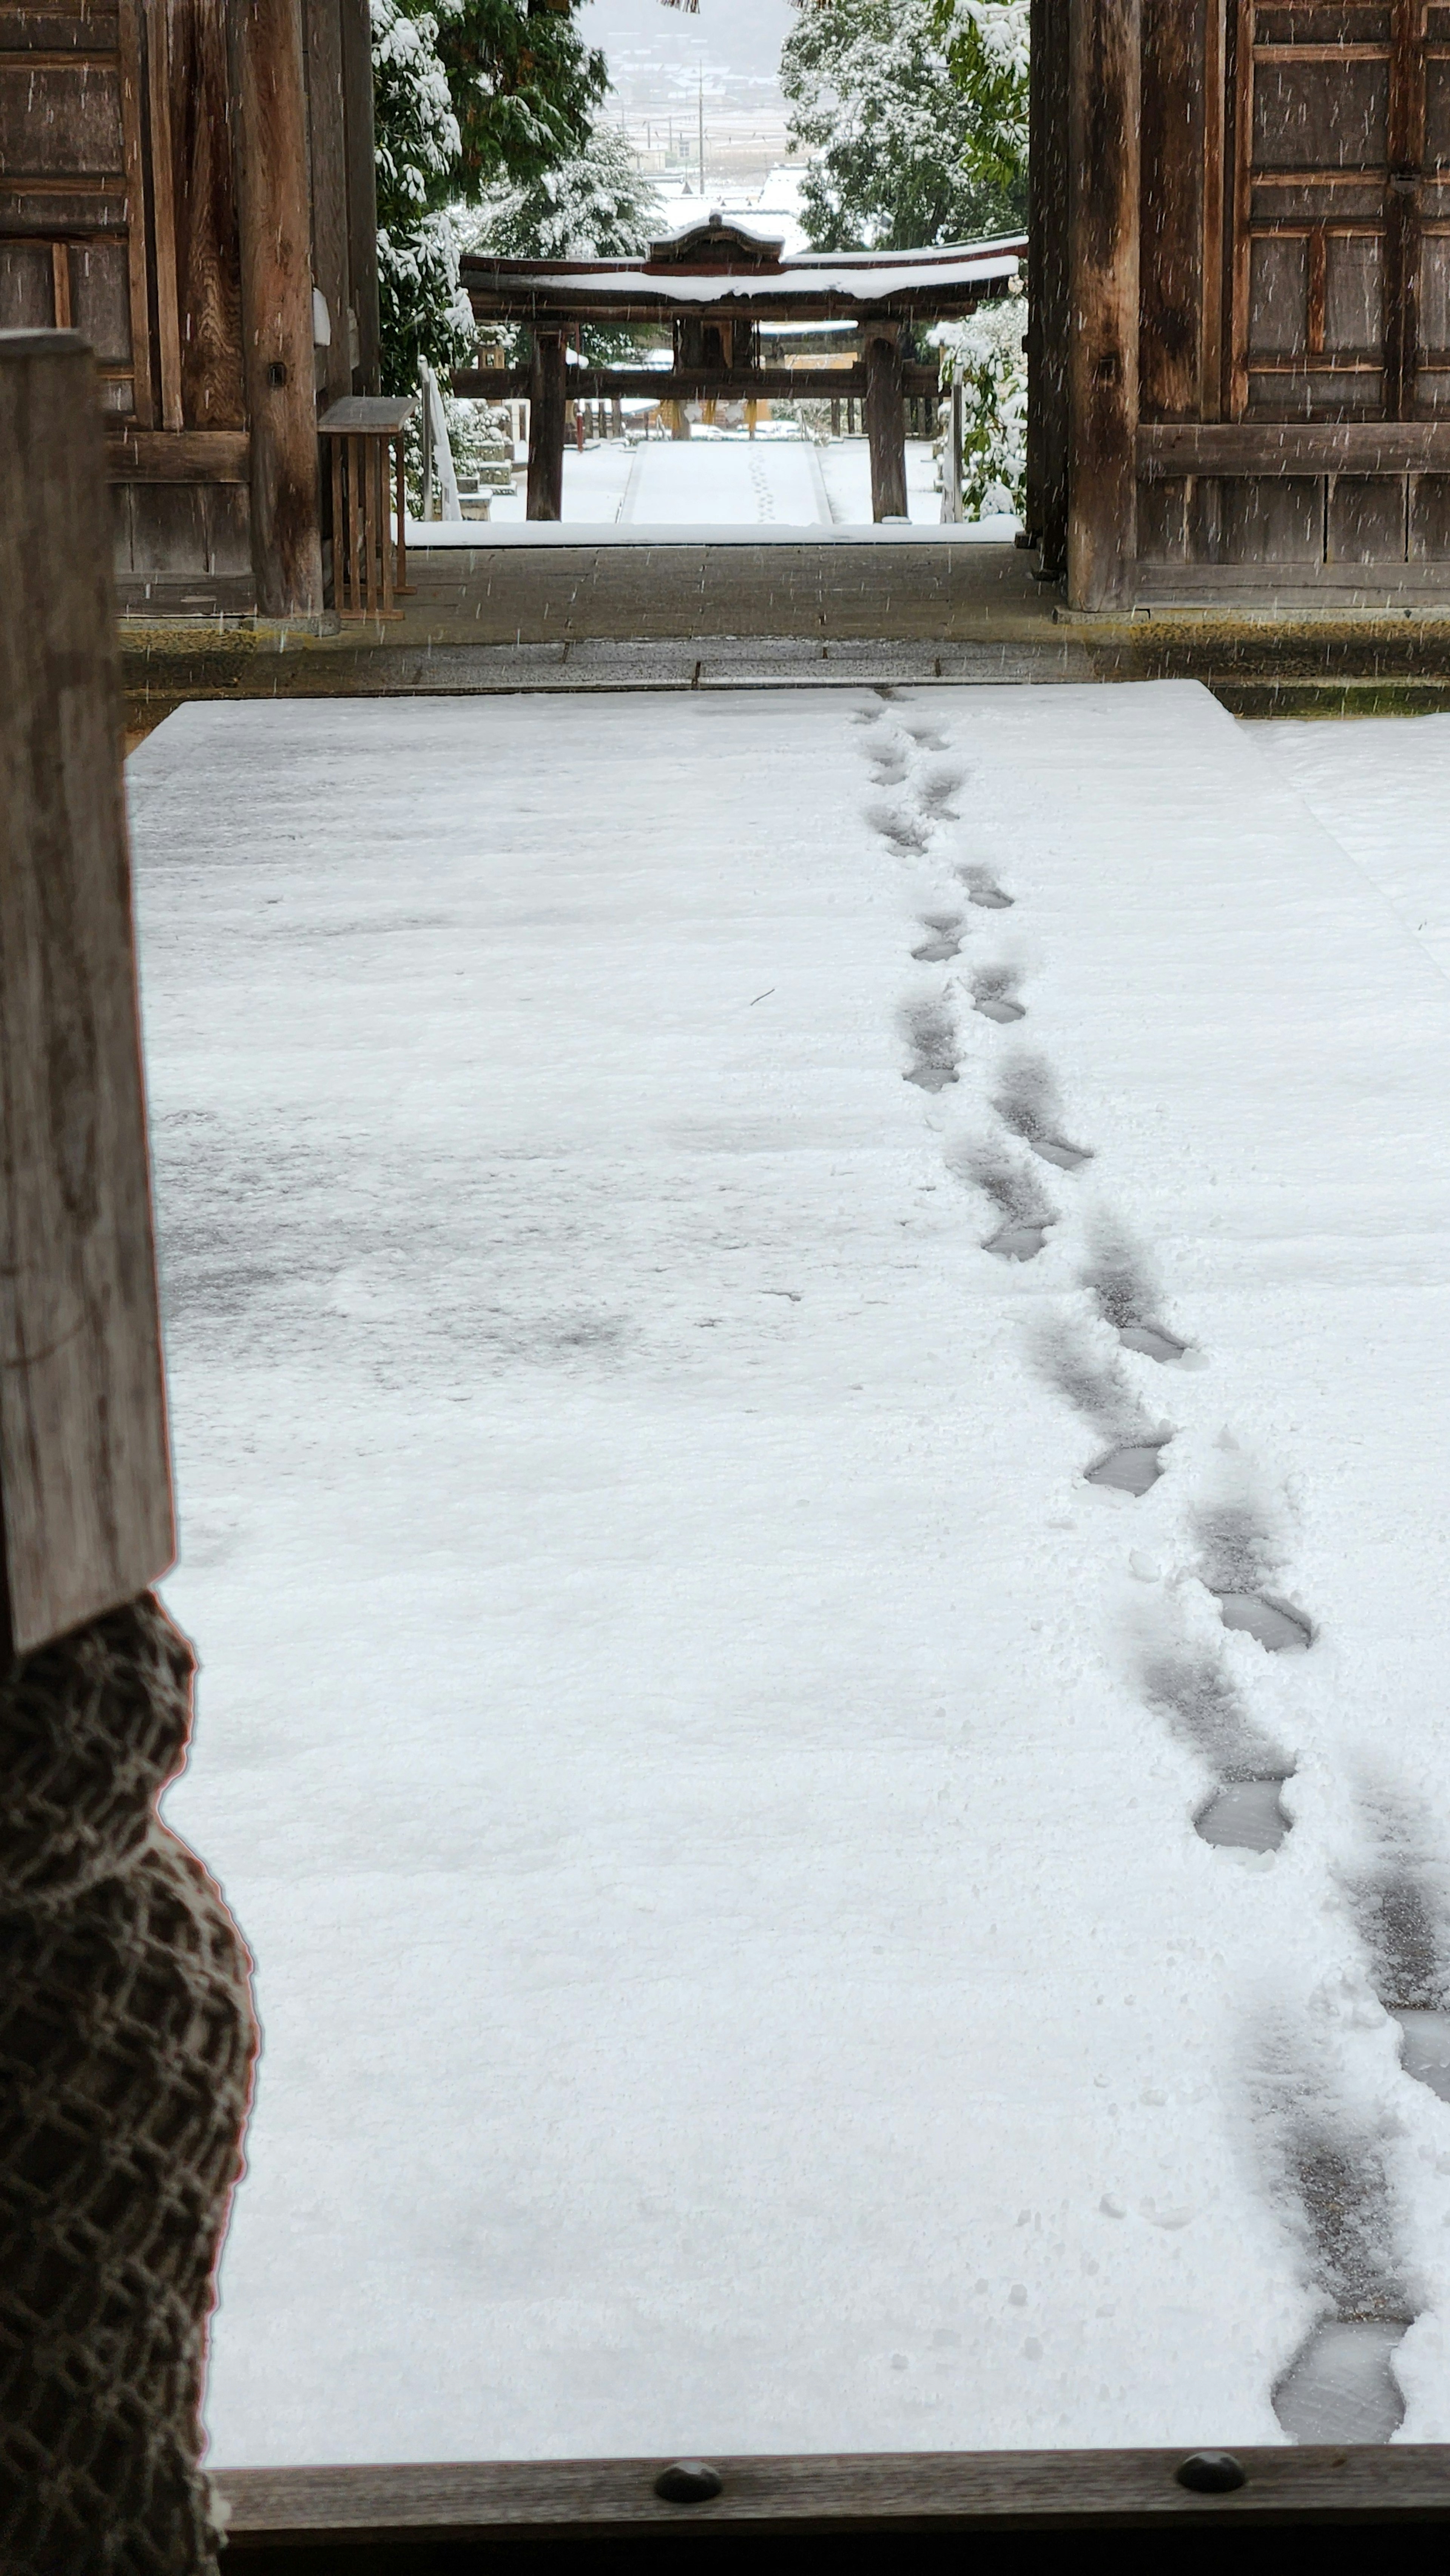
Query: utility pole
pixel 700 106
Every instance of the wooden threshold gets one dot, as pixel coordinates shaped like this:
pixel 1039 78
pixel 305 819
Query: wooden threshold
pixel 820 2497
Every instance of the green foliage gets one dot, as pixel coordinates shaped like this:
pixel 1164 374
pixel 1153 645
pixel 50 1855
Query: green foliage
pixel 914 115
pixel 984 355
pixel 467 93
pixel 596 204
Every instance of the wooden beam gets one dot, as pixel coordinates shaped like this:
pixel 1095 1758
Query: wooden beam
pixel 179 456
pixel 1105 85
pixel 277 305
pixel 547 394
pixel 85 1489
pixel 885 420
pixel 1172 448
pixel 986 2494
pixel 362 192
pixel 682 384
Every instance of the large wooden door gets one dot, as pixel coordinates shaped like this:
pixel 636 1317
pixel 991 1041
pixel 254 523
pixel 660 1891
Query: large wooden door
pixel 1340 213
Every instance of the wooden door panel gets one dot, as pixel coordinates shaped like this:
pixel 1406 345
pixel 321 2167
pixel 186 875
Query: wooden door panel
pixel 72 217
pixel 1329 113
pixel 60 120
pixel 1354 295
pixel 101 299
pixel 1278 294
pixel 27 286
pixel 1339 112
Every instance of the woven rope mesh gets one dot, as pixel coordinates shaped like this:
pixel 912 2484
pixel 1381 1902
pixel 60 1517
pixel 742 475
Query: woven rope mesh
pixel 126 2051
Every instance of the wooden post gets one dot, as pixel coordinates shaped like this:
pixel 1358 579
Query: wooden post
pixel 327 157
pixel 1403 210
pixel 1047 286
pixel 885 419
pixel 1105 85
pixel 951 473
pixel 85 1490
pixel 546 427
pixel 274 224
pixel 362 193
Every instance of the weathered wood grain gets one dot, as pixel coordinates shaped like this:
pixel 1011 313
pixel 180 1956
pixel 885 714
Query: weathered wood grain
pixel 885 420
pixel 982 2492
pixel 85 1496
pixel 327 133
pixel 1105 83
pixel 207 252
pixel 362 192
pixel 181 456
pixel 546 427
pixel 1293 447
pixel 276 271
pixel 1173 183
pixel 163 210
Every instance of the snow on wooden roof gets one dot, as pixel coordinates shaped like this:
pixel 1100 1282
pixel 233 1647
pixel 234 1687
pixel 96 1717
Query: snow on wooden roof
pixel 724 264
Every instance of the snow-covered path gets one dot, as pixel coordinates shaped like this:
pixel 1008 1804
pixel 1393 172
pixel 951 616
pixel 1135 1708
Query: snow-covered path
pixel 714 481
pixel 710 1784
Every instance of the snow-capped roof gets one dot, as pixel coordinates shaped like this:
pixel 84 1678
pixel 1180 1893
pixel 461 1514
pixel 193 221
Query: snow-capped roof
pixel 727 262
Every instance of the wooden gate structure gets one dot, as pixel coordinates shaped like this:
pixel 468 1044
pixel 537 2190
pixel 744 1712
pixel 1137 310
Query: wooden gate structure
pixel 1238 291
pixel 189 184
pixel 1239 286
pixel 712 285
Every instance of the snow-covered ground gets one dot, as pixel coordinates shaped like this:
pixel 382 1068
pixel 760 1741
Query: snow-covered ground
pixel 708 1768
pixel 716 482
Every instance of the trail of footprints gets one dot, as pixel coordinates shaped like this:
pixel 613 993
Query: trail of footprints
pixel 1340 2386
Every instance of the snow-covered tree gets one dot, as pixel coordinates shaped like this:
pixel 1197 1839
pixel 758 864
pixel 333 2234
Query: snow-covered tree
pixel 914 115
pixel 466 93
pixel 595 204
pixel 984 355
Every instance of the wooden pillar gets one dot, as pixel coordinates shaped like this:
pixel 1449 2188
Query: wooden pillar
pixel 327 159
pixel 1047 285
pixel 885 419
pixel 1403 210
pixel 85 1489
pixel 274 224
pixel 1105 89
pixel 546 427
pixel 362 192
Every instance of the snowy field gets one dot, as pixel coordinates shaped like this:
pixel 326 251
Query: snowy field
pixel 713 481
pixel 810 1386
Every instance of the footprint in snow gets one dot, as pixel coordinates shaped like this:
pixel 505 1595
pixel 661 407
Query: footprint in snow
pixel 1125 1296
pixel 1132 1468
pixel 1400 1896
pixel 945 941
pixel 1341 2386
pixel 1027 1214
pixel 1244 1811
pixel 1237 1557
pixel 1028 1104
pixel 938 787
pixel 984 891
pixel 931 1032
pixel 994 994
pixel 1097 1389
pixel 903 831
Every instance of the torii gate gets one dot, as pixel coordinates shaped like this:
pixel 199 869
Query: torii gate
pixel 714 283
